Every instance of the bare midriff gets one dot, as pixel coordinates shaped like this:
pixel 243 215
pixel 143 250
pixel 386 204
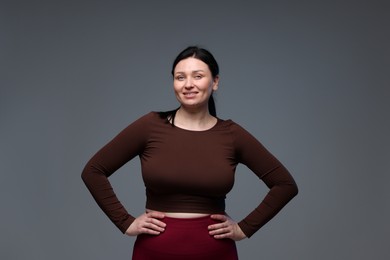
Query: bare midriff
pixel 181 214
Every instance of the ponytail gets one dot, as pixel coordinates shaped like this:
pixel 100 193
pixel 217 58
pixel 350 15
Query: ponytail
pixel 212 109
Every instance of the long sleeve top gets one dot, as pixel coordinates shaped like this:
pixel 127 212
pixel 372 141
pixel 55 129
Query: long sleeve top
pixel 188 171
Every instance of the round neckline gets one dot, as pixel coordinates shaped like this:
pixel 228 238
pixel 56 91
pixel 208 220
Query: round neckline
pixel 200 131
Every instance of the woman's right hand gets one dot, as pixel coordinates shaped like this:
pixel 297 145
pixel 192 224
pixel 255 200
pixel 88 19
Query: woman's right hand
pixel 147 223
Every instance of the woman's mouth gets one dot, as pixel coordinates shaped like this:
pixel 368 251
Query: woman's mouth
pixel 189 94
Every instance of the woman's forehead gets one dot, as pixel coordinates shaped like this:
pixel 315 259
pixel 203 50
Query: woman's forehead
pixel 191 65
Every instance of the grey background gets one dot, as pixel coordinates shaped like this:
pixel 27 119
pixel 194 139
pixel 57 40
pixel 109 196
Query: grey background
pixel 310 79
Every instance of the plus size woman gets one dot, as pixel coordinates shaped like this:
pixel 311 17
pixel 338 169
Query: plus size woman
pixel 188 160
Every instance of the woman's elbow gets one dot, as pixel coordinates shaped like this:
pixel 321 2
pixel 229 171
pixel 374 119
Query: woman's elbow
pixel 294 190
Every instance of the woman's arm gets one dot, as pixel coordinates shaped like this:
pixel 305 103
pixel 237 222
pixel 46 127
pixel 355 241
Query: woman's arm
pixel 256 157
pixel 124 147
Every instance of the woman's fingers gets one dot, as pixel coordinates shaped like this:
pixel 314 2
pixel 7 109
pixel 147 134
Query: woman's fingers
pixel 155 224
pixel 219 227
pixel 147 223
pixel 220 217
pixel 226 229
pixel 155 214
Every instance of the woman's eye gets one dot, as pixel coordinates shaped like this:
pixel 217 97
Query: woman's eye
pixel 179 77
pixel 198 76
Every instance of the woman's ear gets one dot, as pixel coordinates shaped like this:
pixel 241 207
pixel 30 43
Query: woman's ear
pixel 215 82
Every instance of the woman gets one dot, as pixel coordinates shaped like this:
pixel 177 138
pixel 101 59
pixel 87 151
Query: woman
pixel 188 159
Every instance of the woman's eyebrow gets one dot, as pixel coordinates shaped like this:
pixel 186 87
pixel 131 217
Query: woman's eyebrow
pixel 194 71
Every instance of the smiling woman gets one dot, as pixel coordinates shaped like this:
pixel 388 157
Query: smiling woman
pixel 193 83
pixel 208 59
pixel 188 158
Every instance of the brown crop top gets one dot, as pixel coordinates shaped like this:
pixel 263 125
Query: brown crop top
pixel 188 171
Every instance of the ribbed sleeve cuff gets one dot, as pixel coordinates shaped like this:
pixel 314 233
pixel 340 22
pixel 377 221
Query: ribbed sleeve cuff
pixel 247 229
pixel 126 224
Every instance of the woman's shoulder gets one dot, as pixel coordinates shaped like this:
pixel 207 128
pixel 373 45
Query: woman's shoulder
pixel 152 117
pixel 234 128
pixel 228 123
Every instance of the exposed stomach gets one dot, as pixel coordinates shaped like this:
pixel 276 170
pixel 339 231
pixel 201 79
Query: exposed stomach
pixel 181 214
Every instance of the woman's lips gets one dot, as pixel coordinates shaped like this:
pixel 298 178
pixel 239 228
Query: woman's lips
pixel 189 94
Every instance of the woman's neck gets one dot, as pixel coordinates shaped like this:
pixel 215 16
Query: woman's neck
pixel 194 120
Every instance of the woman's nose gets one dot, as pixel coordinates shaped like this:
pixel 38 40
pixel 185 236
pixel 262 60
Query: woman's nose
pixel 188 83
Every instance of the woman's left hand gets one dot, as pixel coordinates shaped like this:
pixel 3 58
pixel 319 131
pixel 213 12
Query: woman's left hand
pixel 226 229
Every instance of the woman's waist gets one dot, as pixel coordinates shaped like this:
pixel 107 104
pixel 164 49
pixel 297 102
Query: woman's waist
pixel 187 220
pixel 183 215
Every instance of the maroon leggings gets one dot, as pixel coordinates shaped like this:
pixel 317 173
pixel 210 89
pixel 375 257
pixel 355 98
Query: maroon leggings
pixel 187 239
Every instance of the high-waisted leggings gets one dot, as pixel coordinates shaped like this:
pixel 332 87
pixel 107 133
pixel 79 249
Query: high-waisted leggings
pixel 184 239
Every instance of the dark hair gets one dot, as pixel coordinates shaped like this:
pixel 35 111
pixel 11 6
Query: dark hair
pixel 205 56
pixel 200 54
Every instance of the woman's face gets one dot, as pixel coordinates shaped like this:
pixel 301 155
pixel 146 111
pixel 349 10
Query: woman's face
pixel 193 83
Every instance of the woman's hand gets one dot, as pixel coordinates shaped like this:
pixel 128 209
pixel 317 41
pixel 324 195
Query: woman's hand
pixel 226 229
pixel 147 223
